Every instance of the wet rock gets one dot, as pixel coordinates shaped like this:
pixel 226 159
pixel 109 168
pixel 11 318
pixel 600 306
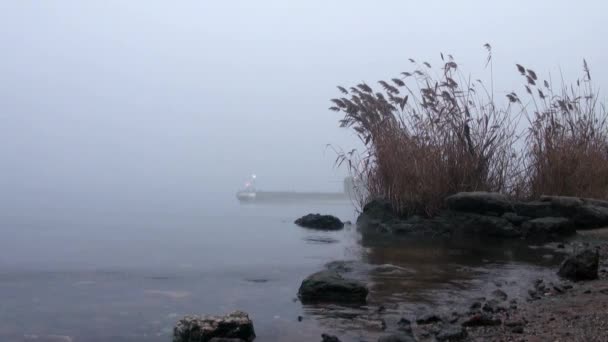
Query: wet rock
pixel 398 337
pixel 221 339
pixel 318 221
pixel 514 323
pixel 428 318
pixel 493 306
pixel 535 209
pixel 235 325
pixel 404 325
pixel 518 330
pixel 547 228
pixel 560 246
pixel 499 294
pixel 481 319
pixel 591 216
pixel 451 333
pixel 378 210
pixel 329 338
pixel 479 202
pixel 330 286
pixel 514 218
pixel 475 306
pixel 580 266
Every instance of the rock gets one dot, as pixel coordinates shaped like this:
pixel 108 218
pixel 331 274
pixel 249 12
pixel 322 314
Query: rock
pixel 514 323
pixel 535 209
pixel 318 221
pixel 330 286
pixel 481 319
pixel 398 337
pixel 329 338
pixel 580 266
pixel 377 210
pixel 221 339
pixel 479 202
pixel 493 306
pixel 546 228
pixel 499 294
pixel 514 218
pixel 518 330
pixel 235 325
pixel 591 216
pixel 428 318
pixel 475 306
pixel 451 333
pixel 478 225
pixel 405 325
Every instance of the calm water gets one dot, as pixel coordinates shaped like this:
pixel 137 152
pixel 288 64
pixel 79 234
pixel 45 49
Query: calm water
pixel 128 271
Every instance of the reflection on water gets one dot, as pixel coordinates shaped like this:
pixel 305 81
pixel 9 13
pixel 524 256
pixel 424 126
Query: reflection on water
pixel 129 276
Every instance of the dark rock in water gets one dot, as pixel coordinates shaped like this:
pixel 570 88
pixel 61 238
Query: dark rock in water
pixel 499 294
pixel 318 221
pixel 580 266
pixel 475 306
pixel 482 225
pixel 493 306
pixel 428 319
pixel 547 228
pixel 330 286
pixel 221 339
pixel 451 333
pixel 236 325
pixel 377 210
pixel 514 218
pixel 518 330
pixel 591 216
pixel 481 319
pixel 329 338
pixel 479 202
pixel 405 325
pixel 399 337
pixel 535 209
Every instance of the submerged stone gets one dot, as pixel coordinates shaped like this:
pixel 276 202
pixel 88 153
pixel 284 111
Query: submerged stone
pixel 318 221
pixel 330 286
pixel 580 266
pixel 235 325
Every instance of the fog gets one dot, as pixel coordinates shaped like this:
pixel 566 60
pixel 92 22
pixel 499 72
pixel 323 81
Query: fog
pixel 121 100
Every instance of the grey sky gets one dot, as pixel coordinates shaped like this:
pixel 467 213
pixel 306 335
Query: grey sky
pixel 115 98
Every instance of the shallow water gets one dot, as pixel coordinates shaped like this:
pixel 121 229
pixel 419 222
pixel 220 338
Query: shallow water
pixel 105 273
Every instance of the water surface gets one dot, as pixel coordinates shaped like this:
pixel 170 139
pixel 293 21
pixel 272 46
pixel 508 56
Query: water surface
pixel 128 271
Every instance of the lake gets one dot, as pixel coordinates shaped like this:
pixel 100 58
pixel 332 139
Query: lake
pixel 128 270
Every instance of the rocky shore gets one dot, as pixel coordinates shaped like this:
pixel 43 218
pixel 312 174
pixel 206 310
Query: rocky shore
pixel 491 215
pixel 572 306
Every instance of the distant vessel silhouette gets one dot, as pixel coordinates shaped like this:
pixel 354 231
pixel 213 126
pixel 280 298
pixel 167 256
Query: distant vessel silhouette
pixel 251 194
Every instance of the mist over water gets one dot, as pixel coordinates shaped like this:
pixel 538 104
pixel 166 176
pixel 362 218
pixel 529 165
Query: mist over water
pixel 126 128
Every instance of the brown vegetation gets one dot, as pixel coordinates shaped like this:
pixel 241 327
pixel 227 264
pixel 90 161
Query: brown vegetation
pixel 430 134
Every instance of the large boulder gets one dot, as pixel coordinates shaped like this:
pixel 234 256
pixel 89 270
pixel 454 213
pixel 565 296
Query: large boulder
pixel 235 325
pixel 478 225
pixel 580 266
pixel 479 202
pixel 330 286
pixel 318 221
pixel 377 210
pixel 591 216
pixel 548 228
